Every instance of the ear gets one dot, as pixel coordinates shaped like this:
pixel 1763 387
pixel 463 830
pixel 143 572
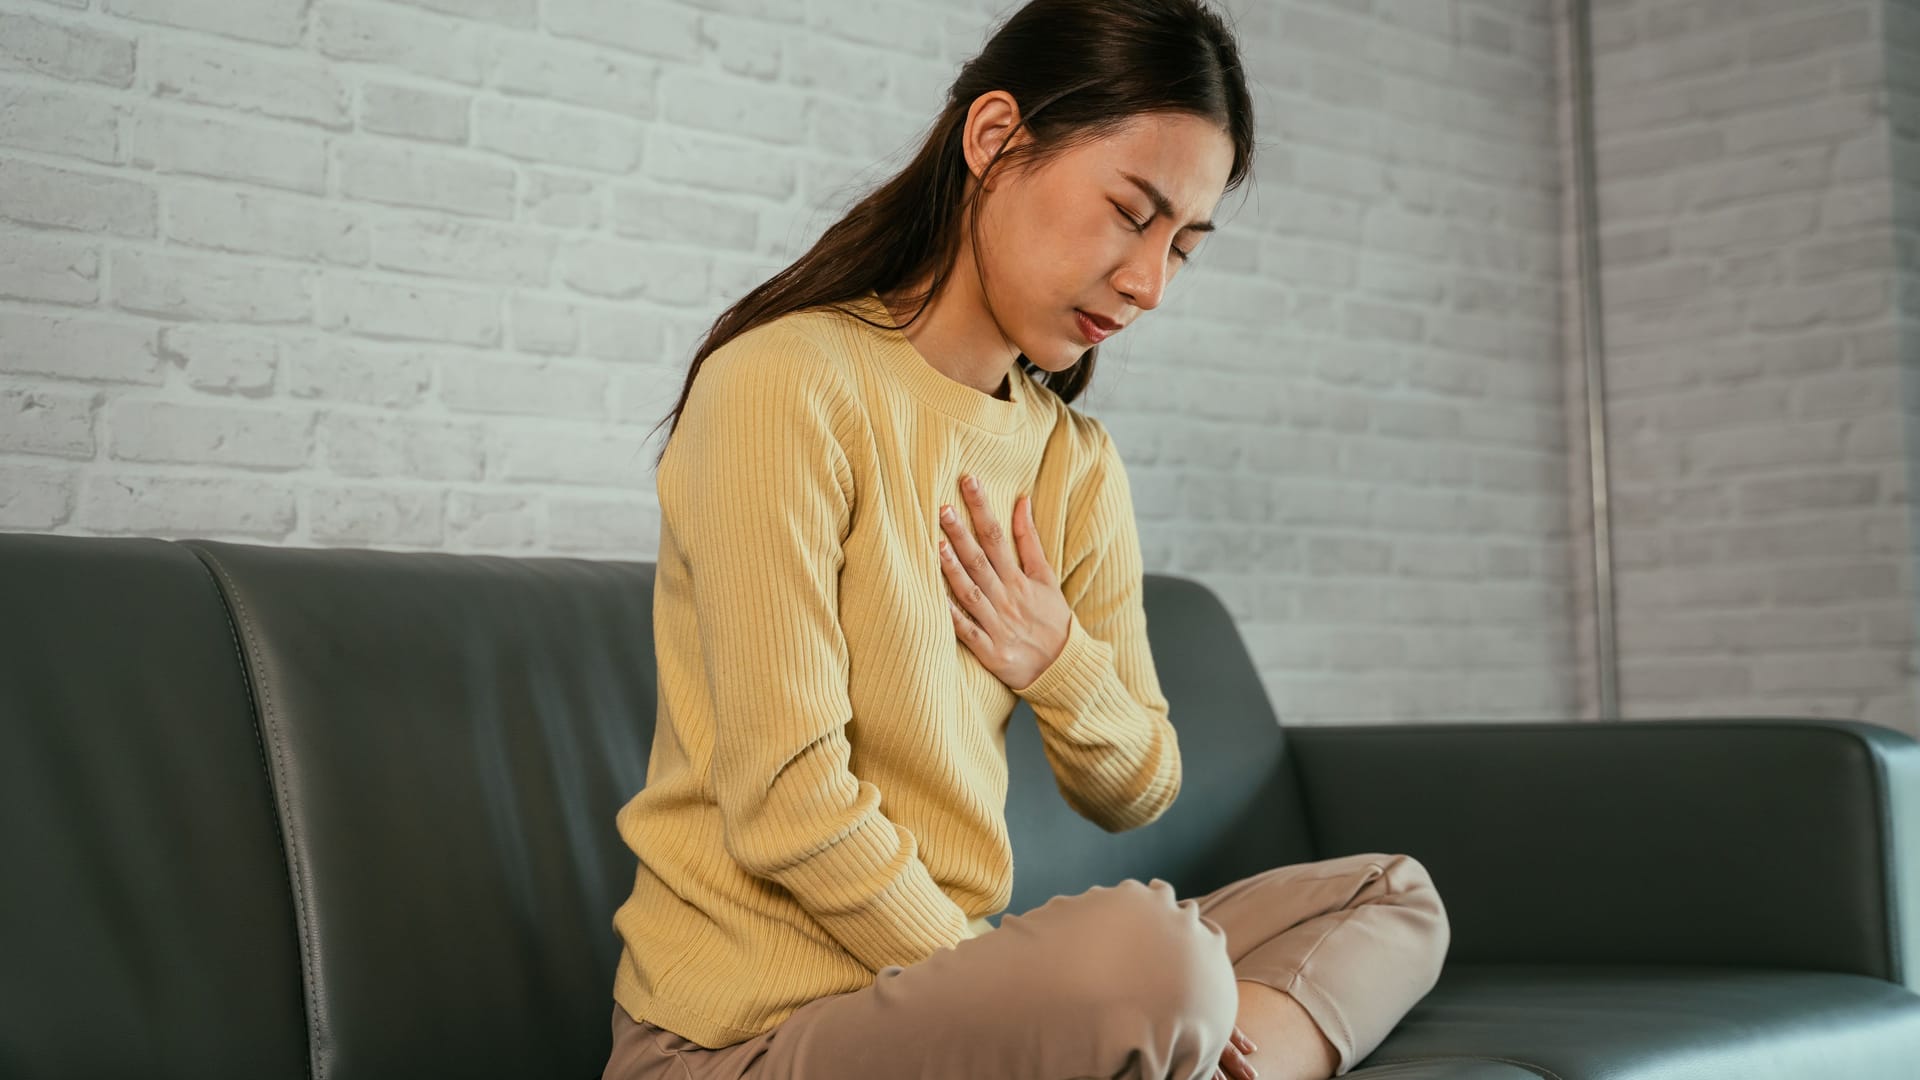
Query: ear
pixel 991 119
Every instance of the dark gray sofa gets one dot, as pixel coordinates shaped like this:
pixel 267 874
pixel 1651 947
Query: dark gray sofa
pixel 347 814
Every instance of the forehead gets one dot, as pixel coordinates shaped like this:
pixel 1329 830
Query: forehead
pixel 1183 155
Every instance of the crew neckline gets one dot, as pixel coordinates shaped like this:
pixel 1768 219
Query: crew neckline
pixel 934 387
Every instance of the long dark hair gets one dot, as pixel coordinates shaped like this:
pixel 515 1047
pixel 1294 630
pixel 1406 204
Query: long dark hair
pixel 1078 69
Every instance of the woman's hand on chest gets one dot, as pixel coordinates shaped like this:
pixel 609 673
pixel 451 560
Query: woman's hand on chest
pixel 1010 611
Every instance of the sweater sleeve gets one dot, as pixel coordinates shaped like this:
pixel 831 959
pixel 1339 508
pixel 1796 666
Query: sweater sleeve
pixel 760 503
pixel 1103 718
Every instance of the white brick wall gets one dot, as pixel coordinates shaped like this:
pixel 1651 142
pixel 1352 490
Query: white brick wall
pixel 1368 454
pixel 1760 454
pixel 422 275
pixel 1903 84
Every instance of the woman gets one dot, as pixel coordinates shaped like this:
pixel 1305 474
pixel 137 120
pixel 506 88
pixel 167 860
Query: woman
pixel 822 835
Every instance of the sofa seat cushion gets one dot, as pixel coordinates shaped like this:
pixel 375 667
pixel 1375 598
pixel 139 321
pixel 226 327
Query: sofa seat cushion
pixel 1646 1022
pixel 1462 1068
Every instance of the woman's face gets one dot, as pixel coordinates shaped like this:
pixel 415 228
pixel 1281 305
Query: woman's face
pixel 1084 232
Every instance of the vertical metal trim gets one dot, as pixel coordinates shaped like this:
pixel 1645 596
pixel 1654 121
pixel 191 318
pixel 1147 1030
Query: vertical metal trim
pixel 1593 349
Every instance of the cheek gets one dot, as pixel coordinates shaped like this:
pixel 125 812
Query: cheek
pixel 1045 255
pixel 1016 243
pixel 1072 249
pixel 1033 263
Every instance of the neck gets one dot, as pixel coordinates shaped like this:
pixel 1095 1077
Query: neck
pixel 957 334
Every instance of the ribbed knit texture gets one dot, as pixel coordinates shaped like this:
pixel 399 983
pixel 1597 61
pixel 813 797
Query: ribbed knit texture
pixel 826 792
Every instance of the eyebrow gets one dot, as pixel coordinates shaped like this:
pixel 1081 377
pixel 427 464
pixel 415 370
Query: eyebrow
pixel 1163 204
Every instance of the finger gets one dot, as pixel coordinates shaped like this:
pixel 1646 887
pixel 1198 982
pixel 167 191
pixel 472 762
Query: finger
pixel 1241 1040
pixel 966 630
pixel 974 600
pixel 992 535
pixel 976 569
pixel 1235 1066
pixel 1033 560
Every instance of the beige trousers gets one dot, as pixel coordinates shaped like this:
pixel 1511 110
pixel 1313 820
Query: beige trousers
pixel 1118 981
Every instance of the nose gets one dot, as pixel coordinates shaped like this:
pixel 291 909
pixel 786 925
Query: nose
pixel 1142 280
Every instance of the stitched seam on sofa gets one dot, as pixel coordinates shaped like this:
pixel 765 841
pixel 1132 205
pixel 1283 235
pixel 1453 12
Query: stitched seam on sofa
pixel 1889 858
pixel 261 698
pixel 1527 1065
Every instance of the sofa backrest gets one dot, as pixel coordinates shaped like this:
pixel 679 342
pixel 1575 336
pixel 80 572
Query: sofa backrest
pixel 351 811
pixel 146 924
pixel 1239 810
pixel 449 738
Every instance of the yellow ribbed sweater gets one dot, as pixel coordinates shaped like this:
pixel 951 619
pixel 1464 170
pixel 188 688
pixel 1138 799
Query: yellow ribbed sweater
pixel 826 791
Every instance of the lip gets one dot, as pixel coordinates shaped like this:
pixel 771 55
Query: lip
pixel 1092 329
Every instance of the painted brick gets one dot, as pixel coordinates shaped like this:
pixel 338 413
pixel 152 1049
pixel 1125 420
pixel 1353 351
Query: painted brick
pixel 385 247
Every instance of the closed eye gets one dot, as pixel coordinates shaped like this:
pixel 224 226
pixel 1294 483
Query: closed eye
pixel 1140 228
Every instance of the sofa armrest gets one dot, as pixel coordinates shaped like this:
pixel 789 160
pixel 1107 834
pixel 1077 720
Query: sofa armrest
pixel 1777 842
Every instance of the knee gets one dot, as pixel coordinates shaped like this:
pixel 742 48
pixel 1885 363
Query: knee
pixel 1410 885
pixel 1151 955
pixel 1408 880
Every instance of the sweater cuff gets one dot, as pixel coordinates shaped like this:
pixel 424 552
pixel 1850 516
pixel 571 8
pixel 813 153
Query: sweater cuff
pixel 1075 676
pixel 873 894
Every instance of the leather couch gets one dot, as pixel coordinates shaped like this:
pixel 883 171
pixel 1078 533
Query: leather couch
pixel 343 814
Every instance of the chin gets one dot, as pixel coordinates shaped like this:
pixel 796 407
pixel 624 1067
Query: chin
pixel 1065 357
